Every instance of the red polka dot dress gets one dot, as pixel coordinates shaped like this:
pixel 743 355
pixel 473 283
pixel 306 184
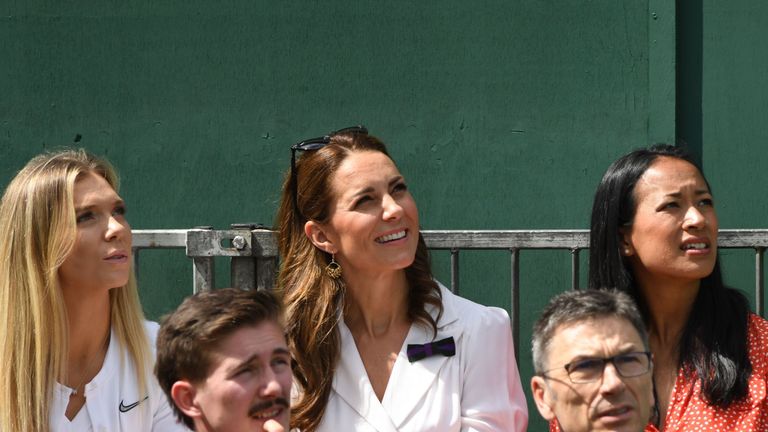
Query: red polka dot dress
pixel 689 412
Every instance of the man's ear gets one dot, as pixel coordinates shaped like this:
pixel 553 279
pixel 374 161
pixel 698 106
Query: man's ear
pixel 542 397
pixel 183 395
pixel 320 237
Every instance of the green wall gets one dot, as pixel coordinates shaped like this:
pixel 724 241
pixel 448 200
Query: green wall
pixel 502 115
pixel 722 107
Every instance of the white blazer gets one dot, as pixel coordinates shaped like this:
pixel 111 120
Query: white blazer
pixel 112 398
pixel 478 389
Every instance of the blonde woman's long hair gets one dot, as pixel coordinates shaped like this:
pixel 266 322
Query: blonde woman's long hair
pixel 37 232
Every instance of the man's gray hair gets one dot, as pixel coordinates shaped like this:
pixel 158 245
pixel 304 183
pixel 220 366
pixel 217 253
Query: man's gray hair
pixel 572 307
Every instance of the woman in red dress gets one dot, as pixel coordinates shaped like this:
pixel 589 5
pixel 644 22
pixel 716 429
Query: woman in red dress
pixel 654 235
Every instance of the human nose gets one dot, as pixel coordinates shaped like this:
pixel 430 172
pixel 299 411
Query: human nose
pixel 694 218
pixel 272 387
pixel 392 209
pixel 612 381
pixel 117 229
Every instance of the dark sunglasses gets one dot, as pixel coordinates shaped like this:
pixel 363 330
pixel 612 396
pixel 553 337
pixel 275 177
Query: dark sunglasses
pixel 313 144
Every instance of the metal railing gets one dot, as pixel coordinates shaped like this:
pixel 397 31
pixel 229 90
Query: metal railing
pixel 253 253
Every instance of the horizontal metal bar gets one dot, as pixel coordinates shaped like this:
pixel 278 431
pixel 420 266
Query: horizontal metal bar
pixel 205 243
pixel 530 239
pixel 742 238
pixel 159 239
pixel 265 242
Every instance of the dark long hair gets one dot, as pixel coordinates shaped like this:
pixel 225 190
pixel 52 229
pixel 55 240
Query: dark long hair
pixel 314 301
pixel 714 342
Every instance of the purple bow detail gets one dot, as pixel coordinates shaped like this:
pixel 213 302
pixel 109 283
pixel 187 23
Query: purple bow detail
pixel 446 347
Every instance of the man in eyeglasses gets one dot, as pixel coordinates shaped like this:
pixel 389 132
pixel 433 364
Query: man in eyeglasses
pixel 593 366
pixel 223 362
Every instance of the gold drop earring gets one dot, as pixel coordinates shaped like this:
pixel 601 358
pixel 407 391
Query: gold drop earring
pixel 333 269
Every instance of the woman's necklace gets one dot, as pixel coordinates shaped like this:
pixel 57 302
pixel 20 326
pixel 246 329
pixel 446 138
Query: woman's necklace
pixel 105 346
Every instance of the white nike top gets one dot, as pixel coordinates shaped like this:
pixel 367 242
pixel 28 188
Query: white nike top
pixel 81 423
pixel 112 399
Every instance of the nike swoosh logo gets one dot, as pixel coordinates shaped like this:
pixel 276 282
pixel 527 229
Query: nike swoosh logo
pixel 125 408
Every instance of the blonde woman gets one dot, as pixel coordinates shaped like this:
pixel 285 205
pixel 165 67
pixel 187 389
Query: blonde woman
pixel 75 349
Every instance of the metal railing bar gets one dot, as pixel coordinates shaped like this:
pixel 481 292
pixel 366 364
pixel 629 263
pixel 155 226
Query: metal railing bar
pixel 455 271
pixel 575 268
pixel 742 238
pixel 135 253
pixel 266 243
pixel 759 282
pixel 203 244
pixel 514 309
pixel 535 239
pixel 159 239
pixel 203 272
pixel 266 273
pixel 242 272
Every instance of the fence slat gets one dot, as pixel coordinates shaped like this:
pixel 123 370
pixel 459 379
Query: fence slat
pixel 759 292
pixel 514 309
pixel 455 271
pixel 203 274
pixel 243 273
pixel 266 273
pixel 575 268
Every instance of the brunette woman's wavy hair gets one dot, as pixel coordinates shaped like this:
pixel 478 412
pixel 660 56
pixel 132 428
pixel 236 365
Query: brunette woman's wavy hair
pixel 313 301
pixel 714 344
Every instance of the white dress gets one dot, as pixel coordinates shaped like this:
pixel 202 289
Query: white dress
pixel 112 399
pixel 477 389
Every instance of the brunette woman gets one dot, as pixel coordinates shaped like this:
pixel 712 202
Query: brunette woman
pixel 379 345
pixel 654 235
pixel 76 352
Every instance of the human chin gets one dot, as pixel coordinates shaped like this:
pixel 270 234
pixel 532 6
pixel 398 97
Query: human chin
pixel 405 259
pixel 118 281
pixel 698 270
pixel 622 417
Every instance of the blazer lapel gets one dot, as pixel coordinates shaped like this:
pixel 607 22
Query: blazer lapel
pixel 350 382
pixel 410 382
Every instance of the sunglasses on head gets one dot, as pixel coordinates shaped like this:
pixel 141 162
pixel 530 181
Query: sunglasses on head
pixel 313 144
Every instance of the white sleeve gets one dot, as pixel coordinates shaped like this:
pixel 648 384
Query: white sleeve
pixel 492 397
pixel 163 416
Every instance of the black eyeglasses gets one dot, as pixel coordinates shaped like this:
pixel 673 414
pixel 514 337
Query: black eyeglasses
pixel 311 145
pixel 591 369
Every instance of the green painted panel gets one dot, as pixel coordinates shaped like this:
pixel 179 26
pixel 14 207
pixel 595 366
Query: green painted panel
pixel 502 115
pixel 723 110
